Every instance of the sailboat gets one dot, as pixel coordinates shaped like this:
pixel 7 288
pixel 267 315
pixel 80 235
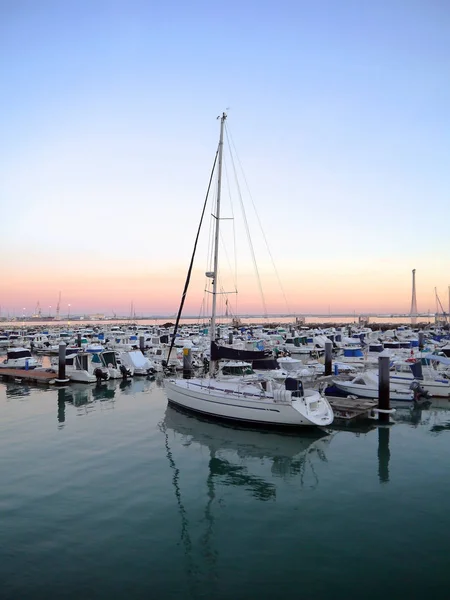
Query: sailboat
pixel 261 402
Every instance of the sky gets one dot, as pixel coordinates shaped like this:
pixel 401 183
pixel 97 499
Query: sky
pixel 340 128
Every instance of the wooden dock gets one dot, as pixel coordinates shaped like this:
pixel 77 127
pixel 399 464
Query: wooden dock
pixel 29 375
pixel 347 409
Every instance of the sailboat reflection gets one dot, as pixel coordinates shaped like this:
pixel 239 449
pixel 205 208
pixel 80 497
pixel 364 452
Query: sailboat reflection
pixel 288 454
pixel 237 457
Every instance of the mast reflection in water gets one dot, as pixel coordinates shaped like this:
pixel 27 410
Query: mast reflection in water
pixel 288 454
pixel 232 453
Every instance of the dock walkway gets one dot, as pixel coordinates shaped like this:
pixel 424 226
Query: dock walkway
pixel 29 375
pixel 351 408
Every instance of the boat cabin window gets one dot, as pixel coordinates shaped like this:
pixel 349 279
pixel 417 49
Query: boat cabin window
pixel 108 358
pixel 81 362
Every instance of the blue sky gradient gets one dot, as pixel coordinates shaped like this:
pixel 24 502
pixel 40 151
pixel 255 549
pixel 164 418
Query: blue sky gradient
pixel 339 112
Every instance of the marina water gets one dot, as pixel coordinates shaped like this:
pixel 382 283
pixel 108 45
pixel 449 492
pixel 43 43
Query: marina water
pixel 108 493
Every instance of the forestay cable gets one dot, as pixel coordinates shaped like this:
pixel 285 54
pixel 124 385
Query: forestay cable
pixel 188 277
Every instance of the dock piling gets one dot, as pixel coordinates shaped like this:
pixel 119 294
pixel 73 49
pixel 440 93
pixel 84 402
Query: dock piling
pixel 421 340
pixel 328 357
pixel 62 365
pixel 62 361
pixel 383 389
pixel 79 340
pixel 187 363
pixel 142 343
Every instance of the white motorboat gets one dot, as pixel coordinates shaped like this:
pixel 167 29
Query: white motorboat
pixel 258 402
pixel 108 361
pixel 19 358
pixel 86 367
pixel 365 385
pixel 289 364
pixel 136 362
pixel 405 372
pixel 15 340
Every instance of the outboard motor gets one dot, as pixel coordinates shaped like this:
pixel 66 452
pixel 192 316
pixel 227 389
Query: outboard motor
pixel 421 396
pixel 100 375
pixel 124 372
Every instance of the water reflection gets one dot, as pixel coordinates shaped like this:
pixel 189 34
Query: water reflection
pixel 412 414
pixel 229 474
pixel 102 391
pixel 86 396
pixel 17 389
pixel 434 416
pixel 384 453
pixel 440 428
pixel 61 407
pixel 289 454
pixel 237 459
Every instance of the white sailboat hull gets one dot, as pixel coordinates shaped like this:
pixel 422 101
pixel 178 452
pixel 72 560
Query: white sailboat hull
pixel 248 407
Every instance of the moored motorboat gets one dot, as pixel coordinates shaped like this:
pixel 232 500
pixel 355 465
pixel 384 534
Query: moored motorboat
pixel 365 385
pixel 19 358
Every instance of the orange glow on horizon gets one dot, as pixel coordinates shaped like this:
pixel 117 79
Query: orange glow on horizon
pixel 158 291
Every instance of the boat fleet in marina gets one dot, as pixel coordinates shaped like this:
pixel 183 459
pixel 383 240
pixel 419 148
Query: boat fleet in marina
pixel 268 375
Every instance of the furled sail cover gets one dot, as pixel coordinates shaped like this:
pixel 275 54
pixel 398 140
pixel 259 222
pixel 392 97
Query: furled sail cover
pixel 225 352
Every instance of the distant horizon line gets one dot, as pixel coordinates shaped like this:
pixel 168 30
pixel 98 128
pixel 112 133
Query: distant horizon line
pixel 100 316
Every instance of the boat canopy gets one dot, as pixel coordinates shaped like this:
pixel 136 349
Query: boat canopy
pixel 437 358
pixel 353 352
pixel 224 352
pixel 18 353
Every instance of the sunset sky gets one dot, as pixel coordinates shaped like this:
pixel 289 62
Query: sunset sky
pixel 339 113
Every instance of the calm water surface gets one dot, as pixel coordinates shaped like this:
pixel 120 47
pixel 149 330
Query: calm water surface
pixel 107 493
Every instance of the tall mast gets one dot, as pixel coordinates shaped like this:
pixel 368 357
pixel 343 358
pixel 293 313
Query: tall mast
pixel 216 240
pixel 413 299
